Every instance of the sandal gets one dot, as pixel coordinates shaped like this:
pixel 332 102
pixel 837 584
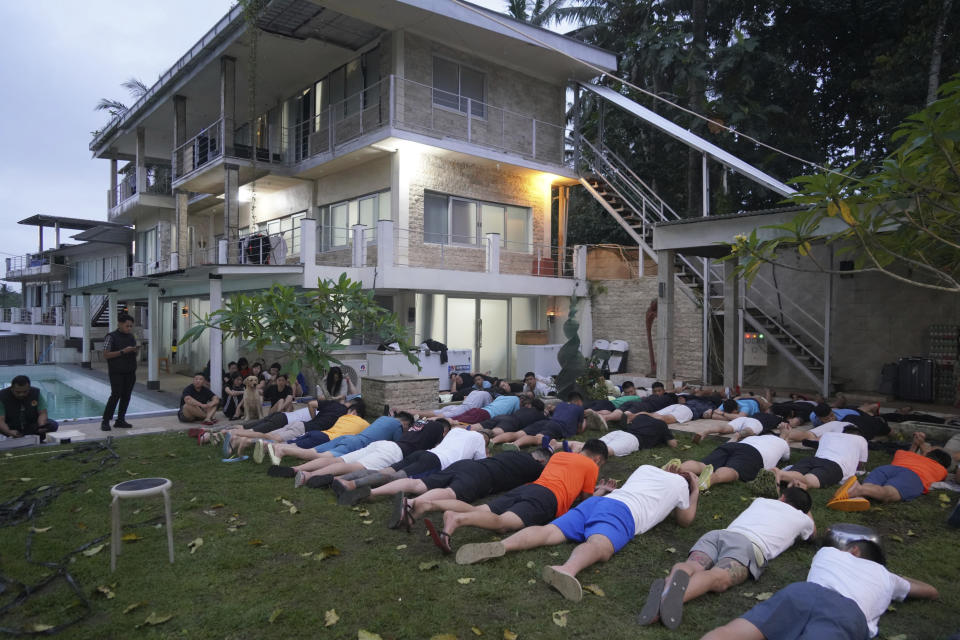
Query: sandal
pixel 440 538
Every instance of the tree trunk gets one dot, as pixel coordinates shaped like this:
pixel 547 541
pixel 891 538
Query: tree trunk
pixel 697 91
pixel 936 54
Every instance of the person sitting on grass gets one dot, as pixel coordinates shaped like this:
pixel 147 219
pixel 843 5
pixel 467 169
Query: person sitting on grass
pixel 643 432
pixel 531 410
pixel 458 444
pixel 233 392
pixel 907 477
pixel 602 524
pixel 23 411
pixel 279 394
pixel 839 456
pixel 197 402
pixel 724 558
pixel 337 386
pixel 566 478
pixel 464 480
pixel 565 421
pixel 845 594
pixel 748 460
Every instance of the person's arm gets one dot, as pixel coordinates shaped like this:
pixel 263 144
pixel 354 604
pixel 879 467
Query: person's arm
pixel 214 402
pixel 605 486
pixel 42 418
pixel 7 431
pixel 109 353
pixel 919 589
pixel 351 388
pixel 685 516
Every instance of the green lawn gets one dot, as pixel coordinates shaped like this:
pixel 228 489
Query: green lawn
pixel 259 582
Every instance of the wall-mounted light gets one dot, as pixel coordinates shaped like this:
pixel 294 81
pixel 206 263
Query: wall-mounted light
pixel 551 315
pixel 185 311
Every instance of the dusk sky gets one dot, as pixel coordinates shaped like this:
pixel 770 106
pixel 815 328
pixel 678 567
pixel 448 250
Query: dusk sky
pixel 60 58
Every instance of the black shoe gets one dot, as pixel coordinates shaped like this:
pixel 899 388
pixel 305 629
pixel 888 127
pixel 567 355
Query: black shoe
pixel 276 471
pixel 122 424
pixel 320 482
pixel 353 496
pixel 105 425
pixel 386 410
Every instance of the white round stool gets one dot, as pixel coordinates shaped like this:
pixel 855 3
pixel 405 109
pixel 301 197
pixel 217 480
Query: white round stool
pixel 140 488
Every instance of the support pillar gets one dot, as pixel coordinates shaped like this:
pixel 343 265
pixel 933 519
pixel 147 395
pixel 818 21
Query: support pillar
pixel 359 247
pixel 180 248
pixel 85 321
pixel 493 253
pixel 228 102
pixel 67 315
pixel 56 235
pixel 111 310
pixel 731 324
pixel 666 289
pixel 705 319
pixel 400 206
pixel 231 211
pixel 180 136
pixel 216 336
pixel 112 196
pixel 385 251
pixel 141 178
pixel 153 336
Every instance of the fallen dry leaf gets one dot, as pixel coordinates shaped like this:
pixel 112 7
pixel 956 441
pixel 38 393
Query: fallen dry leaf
pixel 327 552
pixel 364 514
pixel 306 554
pixel 38 627
pixel 401 547
pixel 210 512
pixel 131 537
pixel 670 550
pixel 531 581
pixel 273 616
pixel 766 595
pixel 509 635
pixel 466 580
pixel 286 502
pixel 943 497
pixel 256 542
pixel 330 618
pixel 897 538
pixel 366 522
pixel 293 510
pixel 25 479
pixel 716 516
pixel 40 529
pixel 135 605
pixel 476 631
pixel 132 473
pixel 426 566
pixel 195 544
pixel 363 634
pixel 910 532
pixel 594 589
pixel 106 591
pixel 219 505
pixel 153 619
pixel 560 617
pixel 193 499
pixel 92 551
pixel 531 565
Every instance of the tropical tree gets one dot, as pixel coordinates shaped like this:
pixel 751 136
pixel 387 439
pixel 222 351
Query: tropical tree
pixel 537 12
pixel 902 219
pixel 134 86
pixel 311 325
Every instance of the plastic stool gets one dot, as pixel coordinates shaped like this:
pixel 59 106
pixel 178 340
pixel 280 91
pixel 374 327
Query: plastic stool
pixel 140 488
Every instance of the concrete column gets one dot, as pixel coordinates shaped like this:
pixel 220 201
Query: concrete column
pixel 228 101
pixel 56 235
pixel 400 206
pixel 112 196
pixel 731 328
pixel 312 202
pixel 580 262
pixel 705 316
pixel 216 336
pixel 30 353
pixel 359 252
pixel 308 241
pixel 180 248
pixel 585 332
pixel 493 253
pixel 179 133
pixel 112 309
pixel 221 252
pixel 141 180
pixel 666 289
pixel 153 336
pixel 67 316
pixel 85 321
pixel 231 210
pixel 385 250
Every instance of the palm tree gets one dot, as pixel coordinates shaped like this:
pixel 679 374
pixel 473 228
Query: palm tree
pixel 134 86
pixel 537 12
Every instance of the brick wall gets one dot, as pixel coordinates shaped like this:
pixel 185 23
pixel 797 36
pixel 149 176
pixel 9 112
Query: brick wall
pixel 399 391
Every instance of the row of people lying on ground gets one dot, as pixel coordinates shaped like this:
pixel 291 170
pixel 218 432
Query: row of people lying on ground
pixel 455 472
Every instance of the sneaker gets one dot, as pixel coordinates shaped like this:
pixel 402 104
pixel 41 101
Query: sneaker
pixel 703 481
pixel 258 451
pixel 352 496
pixel 765 485
pixel 122 424
pixel 105 425
pixel 274 458
pixel 276 471
pixel 299 479
pixel 320 482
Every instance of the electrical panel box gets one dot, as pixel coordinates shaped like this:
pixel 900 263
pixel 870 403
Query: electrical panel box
pixel 754 349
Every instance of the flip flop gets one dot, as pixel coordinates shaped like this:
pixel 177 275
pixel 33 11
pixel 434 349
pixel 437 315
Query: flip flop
pixel 353 496
pixel 651 608
pixel 480 551
pixel 842 492
pixel 440 538
pixel 849 504
pixel 568 586
pixel 671 605
pixel 545 443
pixel 398 511
pixel 258 451
pixel 235 459
pixel 320 482
pixel 226 444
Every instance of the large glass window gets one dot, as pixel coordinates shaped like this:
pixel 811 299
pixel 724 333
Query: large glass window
pixel 454 85
pixel 449 219
pixel 146 249
pixel 337 220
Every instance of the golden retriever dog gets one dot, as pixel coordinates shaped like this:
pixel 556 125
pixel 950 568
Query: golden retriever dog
pixel 252 399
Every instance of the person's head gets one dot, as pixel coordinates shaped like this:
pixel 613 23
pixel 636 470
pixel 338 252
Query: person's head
pixel 657 388
pixel 537 404
pixel 199 380
pixel 275 368
pixel 852 430
pixel 357 407
pixel 478 381
pixel 596 450
pixel 730 406
pixel 282 381
pixel 125 322
pixel 256 368
pixel 866 550
pixel 236 379
pixel 406 419
pixel 575 398
pixel 797 498
pixel 823 411
pixel 541 455
pixel 530 379
pixel 232 367
pixel 445 424
pixel 242 363
pixel 628 388
pixel 20 386
pixel 941 457
pixel 502 387
pixel 334 378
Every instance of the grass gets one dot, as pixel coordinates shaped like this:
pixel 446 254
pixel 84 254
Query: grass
pixel 237 582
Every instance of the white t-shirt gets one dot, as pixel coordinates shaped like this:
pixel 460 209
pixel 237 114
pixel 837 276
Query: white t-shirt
pixel 772 448
pixel 460 444
pixel 739 424
pixel 846 449
pixel 772 525
pixel 679 411
pixel 867 583
pixel 829 427
pixel 651 494
pixel 300 415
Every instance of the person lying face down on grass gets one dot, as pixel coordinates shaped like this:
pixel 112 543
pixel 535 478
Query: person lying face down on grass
pixel 503 404
pixel 602 524
pixel 845 594
pixel 272 427
pixel 464 480
pixel 724 558
pixel 907 477
pixel 565 421
pixel 658 399
pixel 371 464
pixel 566 478
pixel 643 432
pixel 745 460
pixel 839 456
pixel 742 427
pixel 531 410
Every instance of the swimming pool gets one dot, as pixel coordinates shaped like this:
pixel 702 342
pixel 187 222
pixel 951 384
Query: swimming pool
pixel 71 395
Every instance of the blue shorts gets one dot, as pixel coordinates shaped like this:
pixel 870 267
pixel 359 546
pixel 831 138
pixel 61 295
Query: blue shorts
pixel 598 515
pixel 808 611
pixel 310 439
pixel 906 482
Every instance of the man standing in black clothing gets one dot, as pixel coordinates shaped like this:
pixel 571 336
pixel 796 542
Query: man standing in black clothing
pixel 120 352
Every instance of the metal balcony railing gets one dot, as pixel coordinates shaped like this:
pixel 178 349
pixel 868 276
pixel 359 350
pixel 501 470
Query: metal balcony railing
pixel 157 177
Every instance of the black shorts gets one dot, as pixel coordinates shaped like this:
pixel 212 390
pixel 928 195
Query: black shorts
pixel 534 504
pixel 600 405
pixel 742 458
pixel 547 427
pixel 418 463
pixel 649 431
pixel 827 472
pixel 508 423
pixel 468 482
pixel 271 423
pixel 870 426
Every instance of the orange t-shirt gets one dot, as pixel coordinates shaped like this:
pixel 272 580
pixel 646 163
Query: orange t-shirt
pixel 928 470
pixel 568 475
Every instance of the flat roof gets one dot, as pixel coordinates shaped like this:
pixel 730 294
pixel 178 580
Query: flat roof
pixel 81 224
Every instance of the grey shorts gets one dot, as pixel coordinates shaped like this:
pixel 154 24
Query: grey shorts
pixel 720 543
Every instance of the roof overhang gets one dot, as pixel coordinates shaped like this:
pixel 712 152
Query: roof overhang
pixel 43 220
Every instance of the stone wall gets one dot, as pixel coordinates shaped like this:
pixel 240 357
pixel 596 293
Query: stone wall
pixel 399 391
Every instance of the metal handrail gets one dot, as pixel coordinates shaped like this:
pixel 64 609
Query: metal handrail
pixel 201 147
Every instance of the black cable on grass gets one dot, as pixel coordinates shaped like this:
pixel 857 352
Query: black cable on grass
pixel 26 507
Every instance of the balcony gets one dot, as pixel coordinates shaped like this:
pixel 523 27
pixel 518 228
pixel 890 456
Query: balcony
pixel 33 316
pixel 35 266
pixel 126 201
pixel 393 107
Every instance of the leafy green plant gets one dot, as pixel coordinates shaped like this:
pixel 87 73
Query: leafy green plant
pixel 592 383
pixel 572 363
pixel 311 324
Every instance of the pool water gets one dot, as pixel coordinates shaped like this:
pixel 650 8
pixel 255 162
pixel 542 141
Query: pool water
pixel 65 402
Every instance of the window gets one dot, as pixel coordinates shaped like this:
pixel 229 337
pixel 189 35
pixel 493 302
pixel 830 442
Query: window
pixel 337 219
pixel 452 220
pixel 146 249
pixel 455 84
